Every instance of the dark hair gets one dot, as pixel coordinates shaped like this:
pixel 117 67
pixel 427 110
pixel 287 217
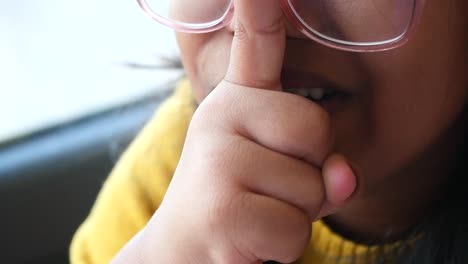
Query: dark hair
pixel 162 62
pixel 444 234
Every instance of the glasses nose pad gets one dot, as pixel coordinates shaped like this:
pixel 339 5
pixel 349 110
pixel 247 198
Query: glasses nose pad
pixel 291 22
pixel 292 30
pixel 231 26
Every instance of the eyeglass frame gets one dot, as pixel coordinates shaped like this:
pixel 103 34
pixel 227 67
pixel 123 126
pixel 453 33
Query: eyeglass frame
pixel 301 26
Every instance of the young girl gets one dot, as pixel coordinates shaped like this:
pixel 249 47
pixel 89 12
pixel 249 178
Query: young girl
pixel 305 146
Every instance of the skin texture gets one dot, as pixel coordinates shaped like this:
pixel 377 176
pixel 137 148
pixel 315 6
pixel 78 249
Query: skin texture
pixel 397 131
pixel 259 165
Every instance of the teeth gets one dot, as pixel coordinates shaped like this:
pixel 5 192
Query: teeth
pixel 301 91
pixel 314 93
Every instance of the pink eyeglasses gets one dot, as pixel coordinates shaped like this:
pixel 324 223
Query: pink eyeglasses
pixel 350 25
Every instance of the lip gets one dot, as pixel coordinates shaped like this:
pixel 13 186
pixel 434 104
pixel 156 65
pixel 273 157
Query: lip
pixel 291 78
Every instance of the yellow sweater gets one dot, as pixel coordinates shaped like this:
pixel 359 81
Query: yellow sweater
pixel 139 181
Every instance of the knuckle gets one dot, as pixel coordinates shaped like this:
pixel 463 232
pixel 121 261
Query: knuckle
pixel 249 31
pixel 216 213
pixel 274 27
pixel 314 204
pixel 219 156
pixel 209 120
pixel 239 226
pixel 226 225
pixel 221 214
pixel 240 31
pixel 219 106
pixel 205 110
pixel 299 235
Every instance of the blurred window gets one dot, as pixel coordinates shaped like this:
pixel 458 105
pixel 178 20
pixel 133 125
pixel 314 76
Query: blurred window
pixel 61 60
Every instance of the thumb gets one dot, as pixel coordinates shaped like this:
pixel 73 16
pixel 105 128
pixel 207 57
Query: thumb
pixel 258 46
pixel 340 184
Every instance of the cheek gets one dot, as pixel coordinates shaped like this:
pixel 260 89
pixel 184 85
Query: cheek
pixel 413 100
pixel 205 58
pixel 410 116
pixel 415 95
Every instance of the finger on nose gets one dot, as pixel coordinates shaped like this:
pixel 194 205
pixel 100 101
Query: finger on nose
pixel 257 50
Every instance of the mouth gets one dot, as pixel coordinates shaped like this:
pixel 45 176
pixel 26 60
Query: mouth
pixel 315 88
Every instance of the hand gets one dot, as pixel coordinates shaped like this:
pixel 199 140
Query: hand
pixel 256 168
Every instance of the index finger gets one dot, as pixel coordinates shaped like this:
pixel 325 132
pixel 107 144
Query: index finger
pixel 257 50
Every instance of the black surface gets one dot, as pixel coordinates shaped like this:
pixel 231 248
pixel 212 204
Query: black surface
pixel 49 180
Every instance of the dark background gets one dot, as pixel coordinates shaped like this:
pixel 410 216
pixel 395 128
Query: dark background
pixel 49 180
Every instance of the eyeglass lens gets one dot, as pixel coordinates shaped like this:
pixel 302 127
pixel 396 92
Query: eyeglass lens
pixel 355 20
pixel 347 21
pixel 191 11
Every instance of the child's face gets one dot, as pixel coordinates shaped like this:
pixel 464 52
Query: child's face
pixel 405 99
